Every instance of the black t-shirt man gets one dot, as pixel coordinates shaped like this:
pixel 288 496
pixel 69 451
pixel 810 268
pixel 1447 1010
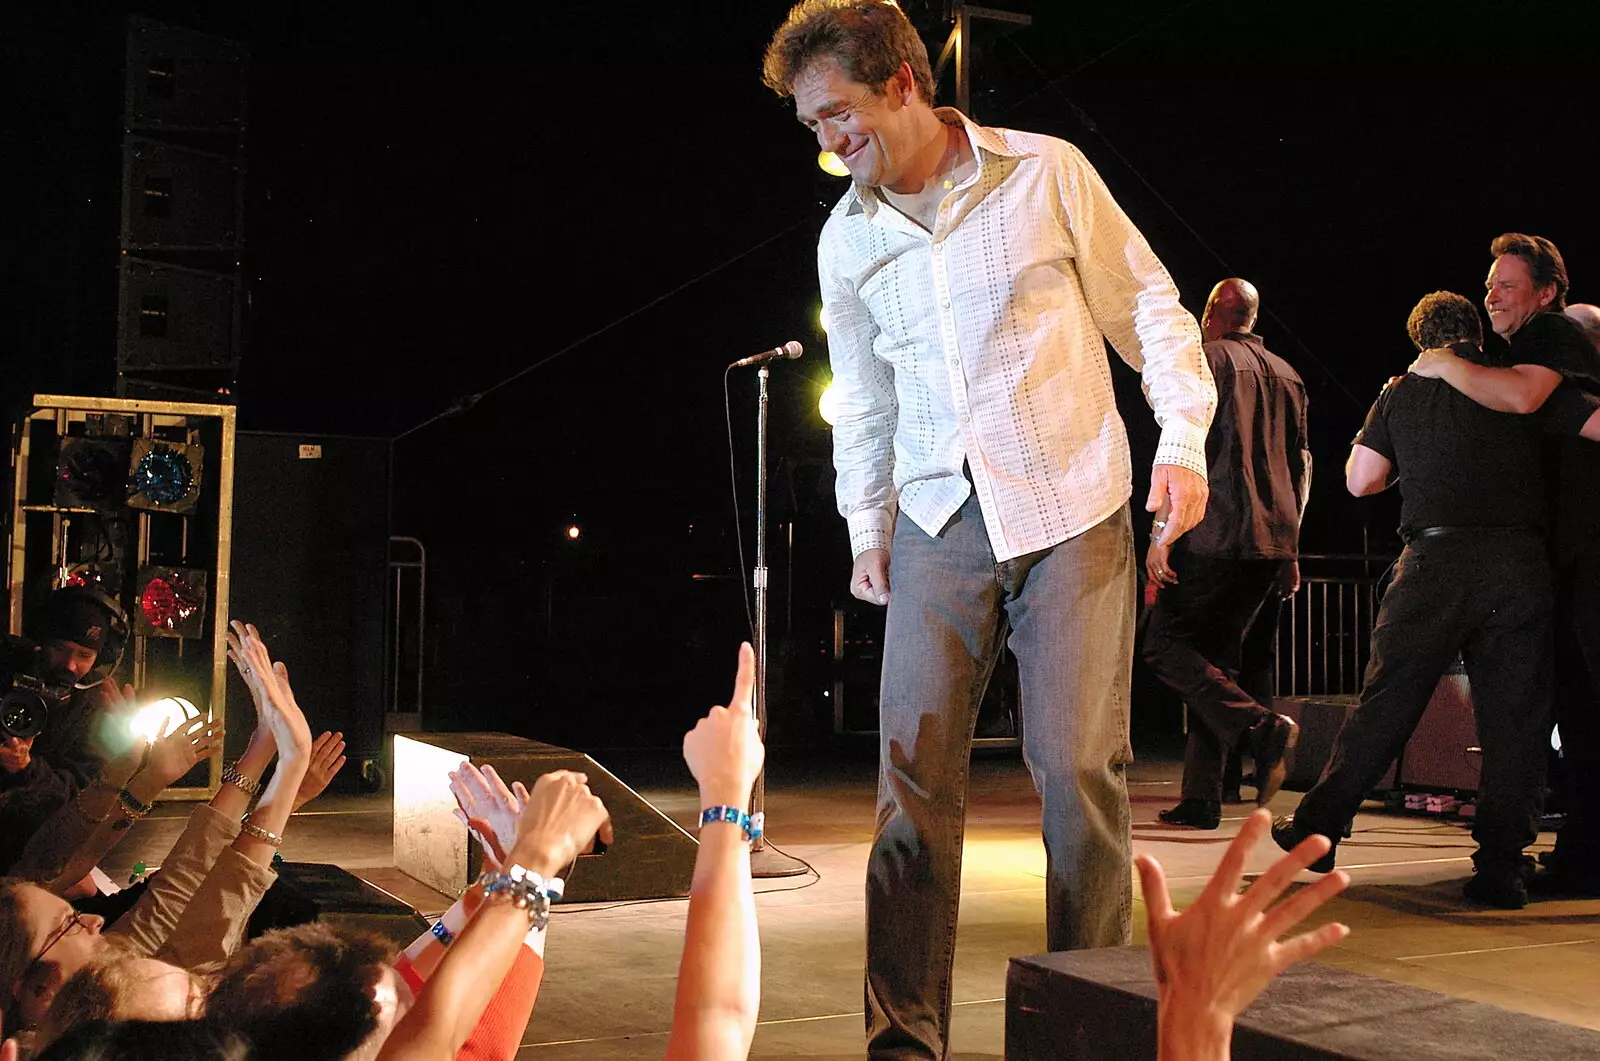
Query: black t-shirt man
pixel 1458 464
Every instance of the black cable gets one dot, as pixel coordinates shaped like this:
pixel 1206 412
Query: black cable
pixel 1089 124
pixel 733 488
pixel 467 401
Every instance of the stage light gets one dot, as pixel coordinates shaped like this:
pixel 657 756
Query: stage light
pixel 164 476
pixel 172 601
pixel 90 472
pixel 830 164
pixel 828 405
pixel 822 321
pixel 574 532
pixel 154 721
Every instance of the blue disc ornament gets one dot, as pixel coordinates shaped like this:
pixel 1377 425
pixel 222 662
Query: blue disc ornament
pixel 163 475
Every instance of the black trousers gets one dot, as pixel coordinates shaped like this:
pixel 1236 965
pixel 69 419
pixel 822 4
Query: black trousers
pixel 1577 707
pixel 1195 641
pixel 1488 596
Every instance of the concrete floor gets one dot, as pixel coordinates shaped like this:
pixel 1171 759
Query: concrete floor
pixel 608 987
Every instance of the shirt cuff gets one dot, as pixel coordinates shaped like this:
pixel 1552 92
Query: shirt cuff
pixel 1184 444
pixel 870 528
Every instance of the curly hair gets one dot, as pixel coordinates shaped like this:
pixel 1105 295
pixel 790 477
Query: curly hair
pixel 1544 261
pixel 867 39
pixel 1442 318
pixel 304 992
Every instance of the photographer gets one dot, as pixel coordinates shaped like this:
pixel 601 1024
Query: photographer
pixel 52 748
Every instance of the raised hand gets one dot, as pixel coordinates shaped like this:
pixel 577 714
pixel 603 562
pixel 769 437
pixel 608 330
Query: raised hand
pixel 724 750
pixel 561 819
pixel 1215 957
pixel 174 754
pixel 488 808
pixel 279 713
pixel 327 759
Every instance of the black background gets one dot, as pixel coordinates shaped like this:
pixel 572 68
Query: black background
pixel 440 200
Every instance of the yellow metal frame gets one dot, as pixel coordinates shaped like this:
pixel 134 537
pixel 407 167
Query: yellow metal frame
pixel 64 409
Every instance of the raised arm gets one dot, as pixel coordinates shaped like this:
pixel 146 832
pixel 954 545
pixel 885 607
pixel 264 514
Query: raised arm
pixel 562 818
pixel 719 977
pixel 1518 389
pixel 1212 960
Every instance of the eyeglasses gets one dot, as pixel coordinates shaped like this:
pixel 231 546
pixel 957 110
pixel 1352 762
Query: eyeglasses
pixel 72 924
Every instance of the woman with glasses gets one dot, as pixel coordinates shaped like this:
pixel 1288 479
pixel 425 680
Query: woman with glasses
pixel 196 909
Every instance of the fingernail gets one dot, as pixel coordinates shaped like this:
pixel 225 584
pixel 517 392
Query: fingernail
pixel 883 598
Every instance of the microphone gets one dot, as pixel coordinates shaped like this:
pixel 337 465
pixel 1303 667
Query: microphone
pixel 787 352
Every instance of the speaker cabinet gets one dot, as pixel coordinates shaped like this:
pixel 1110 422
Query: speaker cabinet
pixel 310 569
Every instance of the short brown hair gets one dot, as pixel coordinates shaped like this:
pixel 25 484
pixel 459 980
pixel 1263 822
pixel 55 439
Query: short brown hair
pixel 1544 261
pixel 867 39
pixel 304 992
pixel 1442 318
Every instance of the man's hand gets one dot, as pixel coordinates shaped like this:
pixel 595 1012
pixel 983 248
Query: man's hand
pixel 1288 579
pixel 869 578
pixel 174 754
pixel 724 750
pixel 1182 494
pixel 1158 565
pixel 561 820
pixel 327 759
pixel 15 754
pixel 1212 960
pixel 1431 363
pixel 487 807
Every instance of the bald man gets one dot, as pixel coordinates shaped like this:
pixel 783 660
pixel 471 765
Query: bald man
pixel 1226 579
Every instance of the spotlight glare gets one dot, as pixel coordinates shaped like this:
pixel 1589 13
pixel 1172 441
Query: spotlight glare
pixel 574 532
pixel 828 405
pixel 830 164
pixel 154 721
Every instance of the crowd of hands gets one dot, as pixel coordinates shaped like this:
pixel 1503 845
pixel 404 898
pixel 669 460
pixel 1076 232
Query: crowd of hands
pixel 1211 960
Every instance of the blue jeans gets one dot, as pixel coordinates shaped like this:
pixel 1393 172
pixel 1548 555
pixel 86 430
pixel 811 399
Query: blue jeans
pixel 1070 610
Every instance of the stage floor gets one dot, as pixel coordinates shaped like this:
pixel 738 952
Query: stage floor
pixel 608 987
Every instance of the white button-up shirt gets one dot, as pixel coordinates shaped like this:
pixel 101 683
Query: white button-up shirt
pixel 981 342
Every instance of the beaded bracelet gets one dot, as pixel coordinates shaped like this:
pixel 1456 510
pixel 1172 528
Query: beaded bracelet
pixel 249 828
pixel 232 776
pixel 442 934
pixel 751 824
pixel 527 891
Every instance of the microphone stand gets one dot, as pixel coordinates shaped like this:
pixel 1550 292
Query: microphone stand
pixel 765 861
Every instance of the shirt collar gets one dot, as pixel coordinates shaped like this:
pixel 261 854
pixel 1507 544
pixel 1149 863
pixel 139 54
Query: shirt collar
pixel 984 140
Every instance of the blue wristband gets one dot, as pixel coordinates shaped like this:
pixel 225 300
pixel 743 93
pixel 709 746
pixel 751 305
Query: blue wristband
pixel 750 824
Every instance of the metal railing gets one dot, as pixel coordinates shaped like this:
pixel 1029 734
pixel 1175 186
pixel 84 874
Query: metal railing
pixel 1325 630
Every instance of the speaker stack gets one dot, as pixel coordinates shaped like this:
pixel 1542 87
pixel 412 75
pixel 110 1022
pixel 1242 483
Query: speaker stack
pixel 181 284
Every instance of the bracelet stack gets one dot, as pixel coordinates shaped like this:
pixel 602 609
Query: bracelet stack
pixel 527 891
pixel 751 824
pixel 232 776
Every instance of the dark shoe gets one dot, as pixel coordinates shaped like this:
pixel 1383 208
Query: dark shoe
pixel 1500 886
pixel 1272 742
pixel 1566 879
pixel 1195 813
pixel 1233 795
pixel 1287 835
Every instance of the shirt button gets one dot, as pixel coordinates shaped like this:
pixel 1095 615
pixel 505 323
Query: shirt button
pixel 965 419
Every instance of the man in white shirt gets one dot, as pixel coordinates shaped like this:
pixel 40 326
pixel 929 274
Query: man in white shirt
pixel 969 279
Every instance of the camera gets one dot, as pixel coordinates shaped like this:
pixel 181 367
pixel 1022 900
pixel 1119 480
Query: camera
pixel 26 696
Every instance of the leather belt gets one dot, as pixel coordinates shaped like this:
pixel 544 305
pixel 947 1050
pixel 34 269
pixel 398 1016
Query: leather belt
pixel 1440 532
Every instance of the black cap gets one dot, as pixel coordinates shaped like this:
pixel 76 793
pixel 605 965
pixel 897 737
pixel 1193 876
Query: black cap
pixel 70 614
